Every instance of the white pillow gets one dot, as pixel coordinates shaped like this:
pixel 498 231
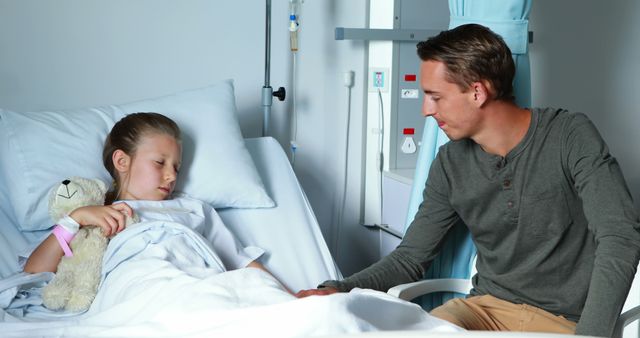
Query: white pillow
pixel 217 167
pixel 39 149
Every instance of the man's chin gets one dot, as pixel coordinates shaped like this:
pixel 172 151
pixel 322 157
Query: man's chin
pixel 450 136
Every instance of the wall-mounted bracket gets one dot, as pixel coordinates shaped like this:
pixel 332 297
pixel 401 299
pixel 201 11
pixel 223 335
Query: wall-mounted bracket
pixel 390 34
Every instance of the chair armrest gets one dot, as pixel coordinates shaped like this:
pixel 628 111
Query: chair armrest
pixel 410 291
pixel 625 319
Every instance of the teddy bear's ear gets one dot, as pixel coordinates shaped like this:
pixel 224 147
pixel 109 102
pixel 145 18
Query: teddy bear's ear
pixel 55 212
pixel 101 185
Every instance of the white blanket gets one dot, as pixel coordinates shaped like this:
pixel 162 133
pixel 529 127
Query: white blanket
pixel 162 279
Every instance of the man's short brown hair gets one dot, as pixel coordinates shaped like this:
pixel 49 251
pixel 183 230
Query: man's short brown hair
pixel 473 53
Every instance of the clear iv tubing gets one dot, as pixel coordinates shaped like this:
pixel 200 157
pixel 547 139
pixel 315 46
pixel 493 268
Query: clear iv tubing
pixel 294 115
pixel 293 39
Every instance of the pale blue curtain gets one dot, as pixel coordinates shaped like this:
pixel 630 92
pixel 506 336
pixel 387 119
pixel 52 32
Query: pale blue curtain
pixel 509 19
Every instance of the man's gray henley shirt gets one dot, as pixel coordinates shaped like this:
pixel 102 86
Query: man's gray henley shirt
pixel 553 223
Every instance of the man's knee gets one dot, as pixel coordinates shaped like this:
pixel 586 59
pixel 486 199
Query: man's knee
pixel 468 313
pixel 452 311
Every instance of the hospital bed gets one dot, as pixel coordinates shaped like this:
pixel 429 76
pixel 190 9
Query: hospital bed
pixel 257 196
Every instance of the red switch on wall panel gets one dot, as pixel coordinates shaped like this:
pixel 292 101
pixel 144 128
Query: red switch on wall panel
pixel 410 77
pixel 408 131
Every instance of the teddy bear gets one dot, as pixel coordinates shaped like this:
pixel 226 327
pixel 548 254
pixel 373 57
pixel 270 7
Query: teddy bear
pixel 76 281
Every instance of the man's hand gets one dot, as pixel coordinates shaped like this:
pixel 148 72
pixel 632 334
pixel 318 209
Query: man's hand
pixel 316 292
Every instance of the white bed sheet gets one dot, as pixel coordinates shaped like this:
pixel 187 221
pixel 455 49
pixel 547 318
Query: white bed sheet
pixel 161 279
pixel 296 252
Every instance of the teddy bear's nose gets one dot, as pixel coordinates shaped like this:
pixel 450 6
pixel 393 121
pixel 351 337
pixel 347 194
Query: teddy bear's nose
pixel 66 182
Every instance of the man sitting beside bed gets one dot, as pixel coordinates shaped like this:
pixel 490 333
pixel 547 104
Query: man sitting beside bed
pixel 547 206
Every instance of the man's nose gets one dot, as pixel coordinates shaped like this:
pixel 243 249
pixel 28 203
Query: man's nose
pixel 428 108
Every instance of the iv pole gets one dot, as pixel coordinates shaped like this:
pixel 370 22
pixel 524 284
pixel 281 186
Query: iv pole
pixel 267 91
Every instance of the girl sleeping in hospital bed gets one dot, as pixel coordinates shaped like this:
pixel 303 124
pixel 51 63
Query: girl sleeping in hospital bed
pixel 143 154
pixel 164 275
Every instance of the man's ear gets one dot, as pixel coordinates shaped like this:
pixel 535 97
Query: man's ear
pixel 481 91
pixel 121 161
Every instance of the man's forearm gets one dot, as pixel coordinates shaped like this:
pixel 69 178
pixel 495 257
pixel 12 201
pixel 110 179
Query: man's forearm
pixel 610 281
pixel 392 270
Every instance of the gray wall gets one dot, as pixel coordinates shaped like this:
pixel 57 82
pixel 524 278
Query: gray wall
pixel 585 58
pixel 58 54
pixel 75 53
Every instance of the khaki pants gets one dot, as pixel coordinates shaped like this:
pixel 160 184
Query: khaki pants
pixel 493 314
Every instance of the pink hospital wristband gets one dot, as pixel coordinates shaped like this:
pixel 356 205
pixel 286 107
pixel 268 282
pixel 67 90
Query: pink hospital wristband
pixel 64 237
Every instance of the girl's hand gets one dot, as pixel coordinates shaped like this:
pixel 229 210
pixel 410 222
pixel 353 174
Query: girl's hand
pixel 316 292
pixel 111 218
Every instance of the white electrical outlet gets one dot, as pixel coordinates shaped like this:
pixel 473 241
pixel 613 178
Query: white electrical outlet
pixel 379 80
pixel 408 146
